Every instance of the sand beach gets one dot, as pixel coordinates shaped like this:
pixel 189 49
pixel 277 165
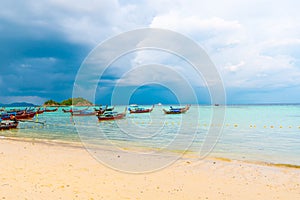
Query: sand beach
pixel 39 170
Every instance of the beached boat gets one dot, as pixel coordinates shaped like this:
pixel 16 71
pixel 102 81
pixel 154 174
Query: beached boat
pixel 177 110
pixel 110 115
pixel 137 109
pixel 8 125
pixel 51 110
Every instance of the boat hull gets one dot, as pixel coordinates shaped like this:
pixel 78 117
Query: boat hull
pixel 83 114
pixel 54 110
pixel 19 116
pixel 106 118
pixel 177 111
pixel 140 111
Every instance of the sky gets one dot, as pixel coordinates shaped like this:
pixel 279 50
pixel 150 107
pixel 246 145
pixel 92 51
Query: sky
pixel 255 46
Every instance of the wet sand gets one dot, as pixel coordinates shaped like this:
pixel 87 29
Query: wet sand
pixel 33 170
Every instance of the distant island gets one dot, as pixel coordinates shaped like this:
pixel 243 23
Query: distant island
pixel 18 104
pixel 69 102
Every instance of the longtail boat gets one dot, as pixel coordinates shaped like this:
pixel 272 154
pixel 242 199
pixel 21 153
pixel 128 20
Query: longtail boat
pixel 67 111
pixel 39 111
pixel 16 111
pixel 30 109
pixel 51 110
pixel 110 115
pixel 26 115
pixel 83 113
pixel 137 109
pixel 177 110
pixel 8 125
pixel 18 116
pixel 102 110
pixel 71 110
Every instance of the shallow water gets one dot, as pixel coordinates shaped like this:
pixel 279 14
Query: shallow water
pixel 268 133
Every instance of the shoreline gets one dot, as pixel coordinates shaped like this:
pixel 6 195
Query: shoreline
pixel 34 170
pixel 183 154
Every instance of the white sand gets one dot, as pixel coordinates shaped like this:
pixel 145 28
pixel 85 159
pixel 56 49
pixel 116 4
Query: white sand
pixel 30 170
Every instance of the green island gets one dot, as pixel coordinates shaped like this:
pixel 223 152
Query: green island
pixel 79 101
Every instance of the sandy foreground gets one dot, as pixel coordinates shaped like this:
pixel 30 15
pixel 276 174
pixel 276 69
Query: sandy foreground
pixel 31 170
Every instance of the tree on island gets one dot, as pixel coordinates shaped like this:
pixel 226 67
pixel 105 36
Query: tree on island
pixel 51 103
pixel 68 102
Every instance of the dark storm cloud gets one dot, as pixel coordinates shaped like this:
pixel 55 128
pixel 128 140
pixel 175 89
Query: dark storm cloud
pixel 37 60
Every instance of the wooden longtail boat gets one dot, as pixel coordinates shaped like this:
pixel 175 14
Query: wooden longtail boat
pixel 71 110
pixel 67 111
pixel 18 116
pixel 83 113
pixel 49 110
pixel 177 110
pixel 101 110
pixel 110 115
pixel 137 109
pixel 39 111
pixel 26 115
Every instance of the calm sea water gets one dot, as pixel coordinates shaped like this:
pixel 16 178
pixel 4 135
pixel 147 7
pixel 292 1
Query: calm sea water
pixel 268 133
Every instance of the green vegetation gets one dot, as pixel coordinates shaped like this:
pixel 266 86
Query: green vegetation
pixel 68 102
pixel 51 103
pixel 76 102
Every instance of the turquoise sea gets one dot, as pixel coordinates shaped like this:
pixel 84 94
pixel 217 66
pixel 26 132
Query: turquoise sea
pixel 260 133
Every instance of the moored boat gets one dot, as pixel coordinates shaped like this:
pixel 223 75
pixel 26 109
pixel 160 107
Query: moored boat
pixel 51 110
pixel 18 116
pixel 102 110
pixel 26 115
pixel 111 115
pixel 67 111
pixel 83 113
pixel 39 111
pixel 177 110
pixel 71 110
pixel 137 109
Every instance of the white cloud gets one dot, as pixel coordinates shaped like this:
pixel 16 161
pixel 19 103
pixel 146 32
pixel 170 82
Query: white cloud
pixel 234 68
pixel 193 24
pixel 252 51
